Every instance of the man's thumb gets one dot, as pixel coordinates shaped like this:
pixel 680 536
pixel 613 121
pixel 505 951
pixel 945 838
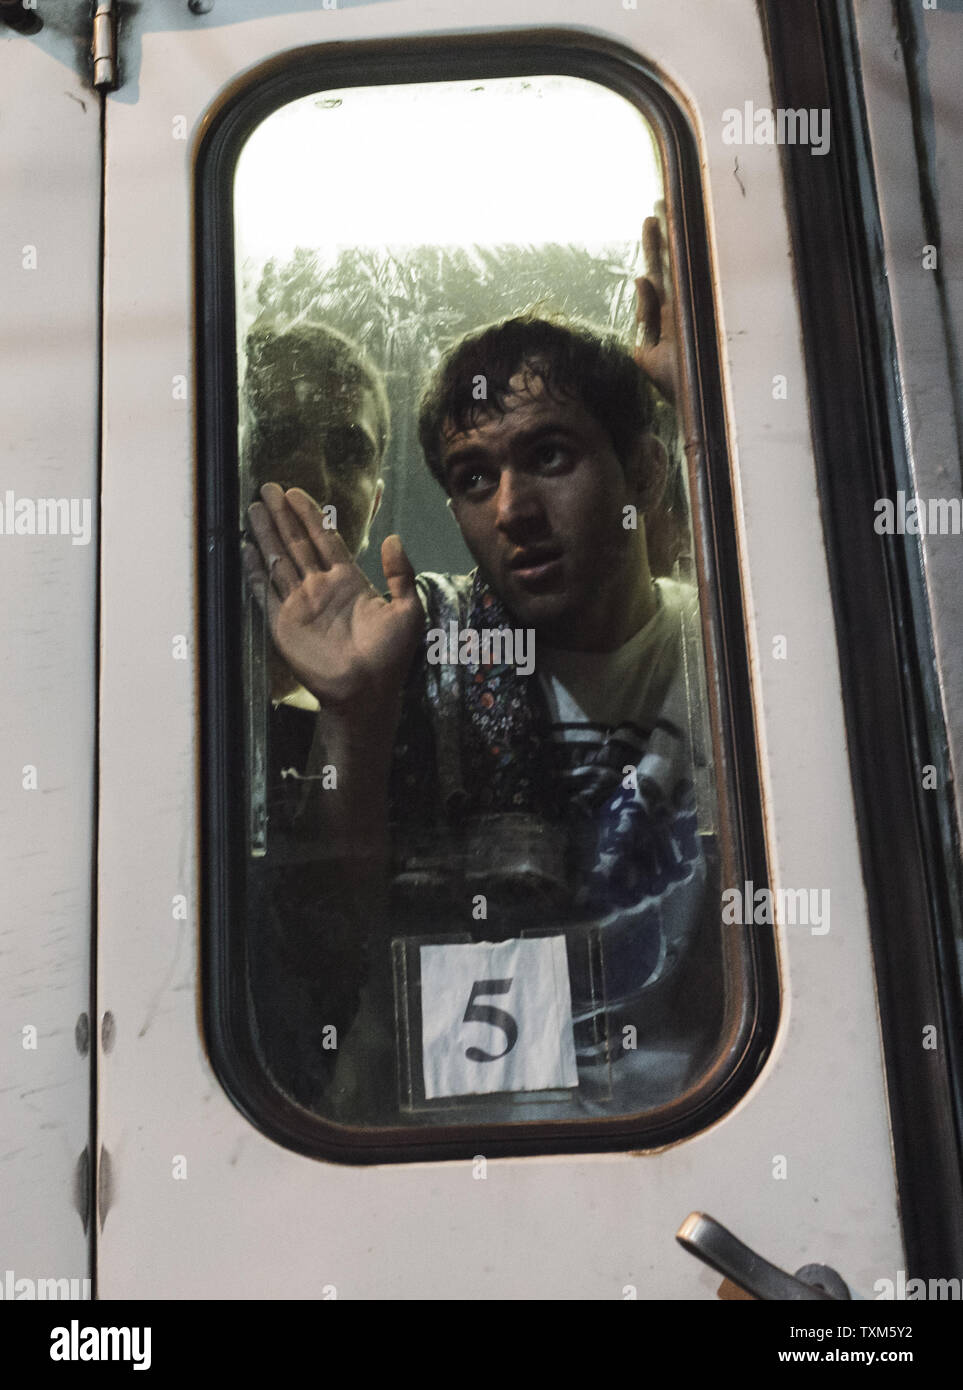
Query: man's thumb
pixel 398 571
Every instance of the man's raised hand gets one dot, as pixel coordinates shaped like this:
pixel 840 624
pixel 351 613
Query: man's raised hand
pixel 656 350
pixel 346 644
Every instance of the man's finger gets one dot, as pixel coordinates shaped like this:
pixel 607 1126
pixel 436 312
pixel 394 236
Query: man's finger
pixel 652 251
pixel 648 311
pixel 266 595
pixel 398 570
pixel 253 564
pixel 326 540
pixel 297 543
pixel 279 570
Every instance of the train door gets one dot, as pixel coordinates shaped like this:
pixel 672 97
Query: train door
pixel 50 162
pixel 210 1184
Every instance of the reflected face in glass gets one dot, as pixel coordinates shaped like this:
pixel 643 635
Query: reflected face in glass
pixel 335 459
pixel 539 494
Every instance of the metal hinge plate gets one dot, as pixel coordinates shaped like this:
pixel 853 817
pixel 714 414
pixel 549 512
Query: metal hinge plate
pixel 104 47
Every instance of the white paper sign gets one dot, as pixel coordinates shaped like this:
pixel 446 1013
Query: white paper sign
pixel 496 1017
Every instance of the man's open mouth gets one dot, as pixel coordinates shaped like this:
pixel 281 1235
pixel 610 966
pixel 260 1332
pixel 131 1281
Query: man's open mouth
pixel 536 563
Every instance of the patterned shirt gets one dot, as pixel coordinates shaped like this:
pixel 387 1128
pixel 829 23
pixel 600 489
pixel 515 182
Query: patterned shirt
pixel 564 798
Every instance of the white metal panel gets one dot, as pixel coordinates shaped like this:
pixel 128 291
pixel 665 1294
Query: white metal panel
pixel 926 357
pixel 49 391
pixel 252 1219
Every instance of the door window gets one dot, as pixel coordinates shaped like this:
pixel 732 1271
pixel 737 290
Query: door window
pixel 475 831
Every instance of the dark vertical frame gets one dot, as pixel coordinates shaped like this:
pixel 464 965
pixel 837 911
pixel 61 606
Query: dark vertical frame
pixel 908 868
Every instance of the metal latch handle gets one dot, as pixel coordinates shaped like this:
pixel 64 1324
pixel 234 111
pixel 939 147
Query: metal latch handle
pixel 717 1247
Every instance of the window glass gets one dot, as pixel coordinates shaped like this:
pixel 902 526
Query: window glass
pixel 482 853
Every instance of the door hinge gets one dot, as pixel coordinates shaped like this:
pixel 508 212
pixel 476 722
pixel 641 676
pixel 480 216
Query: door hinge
pixel 104 48
pixel 83 1187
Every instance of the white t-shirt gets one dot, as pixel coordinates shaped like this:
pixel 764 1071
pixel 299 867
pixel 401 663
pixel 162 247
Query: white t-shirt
pixel 608 709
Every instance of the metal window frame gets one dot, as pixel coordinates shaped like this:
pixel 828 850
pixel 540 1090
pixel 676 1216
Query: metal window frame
pixel 752 1017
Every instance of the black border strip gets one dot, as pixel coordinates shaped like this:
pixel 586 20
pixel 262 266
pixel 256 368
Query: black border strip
pixel 853 378
pixel 224 967
pixel 91 1171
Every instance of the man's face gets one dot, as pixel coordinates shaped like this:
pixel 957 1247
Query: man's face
pixel 539 495
pixel 337 463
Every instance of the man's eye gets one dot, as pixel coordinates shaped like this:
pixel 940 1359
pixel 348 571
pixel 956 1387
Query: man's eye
pixel 472 480
pixel 549 457
pixel 344 461
pixel 347 450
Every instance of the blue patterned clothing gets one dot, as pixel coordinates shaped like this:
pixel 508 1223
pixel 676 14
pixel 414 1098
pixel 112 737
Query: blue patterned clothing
pixel 506 785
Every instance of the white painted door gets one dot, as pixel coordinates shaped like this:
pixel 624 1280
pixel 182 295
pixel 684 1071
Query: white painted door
pixel 49 231
pixel 196 1202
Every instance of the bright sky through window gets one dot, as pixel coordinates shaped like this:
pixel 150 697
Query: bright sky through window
pixel 523 160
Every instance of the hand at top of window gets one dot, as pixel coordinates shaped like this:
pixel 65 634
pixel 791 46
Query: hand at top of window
pixel 656 349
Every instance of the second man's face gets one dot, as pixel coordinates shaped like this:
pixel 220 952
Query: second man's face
pixel 539 493
pixel 337 463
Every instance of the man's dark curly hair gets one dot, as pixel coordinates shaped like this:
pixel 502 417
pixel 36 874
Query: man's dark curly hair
pixel 570 359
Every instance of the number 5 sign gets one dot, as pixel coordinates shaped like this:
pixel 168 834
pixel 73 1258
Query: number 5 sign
pixel 496 1017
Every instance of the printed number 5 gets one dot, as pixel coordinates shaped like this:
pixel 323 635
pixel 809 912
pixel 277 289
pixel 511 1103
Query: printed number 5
pixel 487 1013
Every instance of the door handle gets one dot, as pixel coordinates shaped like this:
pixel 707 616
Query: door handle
pixel 717 1247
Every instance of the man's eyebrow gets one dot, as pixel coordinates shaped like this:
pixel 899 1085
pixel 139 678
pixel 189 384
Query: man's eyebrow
pixel 472 453
pixel 477 453
pixel 539 432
